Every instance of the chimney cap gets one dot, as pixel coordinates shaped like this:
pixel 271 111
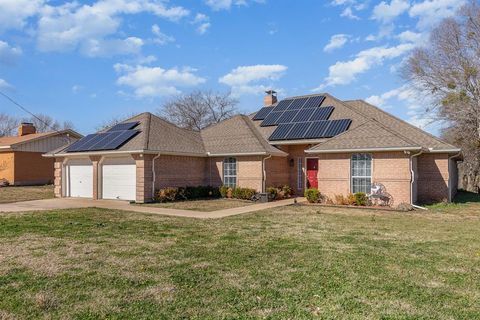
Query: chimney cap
pixel 27 123
pixel 271 92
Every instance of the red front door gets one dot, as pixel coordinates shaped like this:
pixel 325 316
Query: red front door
pixel 312 173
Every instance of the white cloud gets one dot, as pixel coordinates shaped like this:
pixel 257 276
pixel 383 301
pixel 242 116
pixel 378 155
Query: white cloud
pixel 5 85
pixel 413 37
pixel 160 37
pixel 156 81
pixel 252 79
pixel 430 12
pixel 348 13
pixel 217 5
pixel 9 55
pixel 14 13
pixel 105 48
pixel 203 23
pixel 73 26
pixel 387 12
pixel 336 42
pixel 403 93
pixel 344 72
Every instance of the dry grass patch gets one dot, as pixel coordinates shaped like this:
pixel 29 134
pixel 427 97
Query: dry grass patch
pixel 203 205
pixel 18 194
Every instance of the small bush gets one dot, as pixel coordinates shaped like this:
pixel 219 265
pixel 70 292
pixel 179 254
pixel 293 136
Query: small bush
pixel 312 195
pixel 187 193
pixel 280 193
pixel 361 199
pixel 350 199
pixel 243 193
pixel 167 195
pixel 341 200
pixel 287 191
pixel 272 192
pixel 223 191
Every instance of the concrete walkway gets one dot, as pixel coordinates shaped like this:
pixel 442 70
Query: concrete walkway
pixel 71 203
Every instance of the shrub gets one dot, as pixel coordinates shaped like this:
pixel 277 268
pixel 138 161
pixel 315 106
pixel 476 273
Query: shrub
pixel 341 200
pixel 186 193
pixel 167 195
pixel 223 191
pixel 279 193
pixel 361 199
pixel 351 200
pixel 287 191
pixel 243 193
pixel 312 195
pixel 272 192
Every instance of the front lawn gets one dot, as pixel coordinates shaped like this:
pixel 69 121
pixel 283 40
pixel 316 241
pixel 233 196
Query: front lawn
pixel 296 262
pixel 17 194
pixel 203 205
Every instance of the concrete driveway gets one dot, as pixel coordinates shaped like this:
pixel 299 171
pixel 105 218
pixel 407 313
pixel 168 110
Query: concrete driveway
pixel 73 203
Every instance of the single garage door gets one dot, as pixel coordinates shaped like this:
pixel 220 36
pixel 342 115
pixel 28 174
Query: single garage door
pixel 119 176
pixel 80 179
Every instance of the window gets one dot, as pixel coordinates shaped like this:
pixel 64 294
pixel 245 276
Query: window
pixel 230 172
pixel 361 165
pixel 299 174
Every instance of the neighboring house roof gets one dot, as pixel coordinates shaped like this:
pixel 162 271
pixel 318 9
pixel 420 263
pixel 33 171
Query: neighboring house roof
pixel 237 135
pixel 12 141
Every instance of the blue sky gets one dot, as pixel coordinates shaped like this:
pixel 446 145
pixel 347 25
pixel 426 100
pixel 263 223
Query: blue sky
pixel 89 61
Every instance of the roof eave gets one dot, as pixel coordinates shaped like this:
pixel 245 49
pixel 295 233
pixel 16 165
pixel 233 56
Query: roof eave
pixel 313 151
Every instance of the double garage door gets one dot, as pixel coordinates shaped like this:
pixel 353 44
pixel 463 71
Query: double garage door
pixel 117 179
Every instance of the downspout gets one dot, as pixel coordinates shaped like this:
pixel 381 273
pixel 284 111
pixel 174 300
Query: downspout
pixel 264 174
pixel 154 175
pixel 450 198
pixel 413 181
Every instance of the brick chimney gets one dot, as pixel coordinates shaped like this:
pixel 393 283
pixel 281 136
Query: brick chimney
pixel 26 128
pixel 270 98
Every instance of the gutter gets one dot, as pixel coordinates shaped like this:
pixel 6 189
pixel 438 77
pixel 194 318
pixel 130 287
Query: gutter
pixel 154 175
pixel 313 151
pixel 412 173
pixel 264 174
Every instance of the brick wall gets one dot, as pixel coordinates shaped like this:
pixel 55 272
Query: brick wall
pixel 432 177
pixel 176 171
pixel 277 172
pixel 31 168
pixel 144 177
pixel 334 174
pixel 7 168
pixel 58 180
pixel 249 171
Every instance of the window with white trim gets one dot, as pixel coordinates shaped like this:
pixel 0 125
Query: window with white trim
pixel 230 172
pixel 361 166
pixel 299 174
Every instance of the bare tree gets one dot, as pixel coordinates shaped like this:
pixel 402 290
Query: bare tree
pixel 198 110
pixel 448 70
pixel 8 124
pixel 45 123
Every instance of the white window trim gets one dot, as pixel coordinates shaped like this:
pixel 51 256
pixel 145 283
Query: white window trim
pixel 300 173
pixel 230 176
pixel 360 177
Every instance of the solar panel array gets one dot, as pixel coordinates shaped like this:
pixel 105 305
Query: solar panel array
pixel 110 140
pixel 124 126
pixel 310 129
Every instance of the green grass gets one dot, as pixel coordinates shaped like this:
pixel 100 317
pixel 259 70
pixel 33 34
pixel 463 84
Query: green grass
pixel 203 205
pixel 462 201
pixel 27 193
pixel 297 262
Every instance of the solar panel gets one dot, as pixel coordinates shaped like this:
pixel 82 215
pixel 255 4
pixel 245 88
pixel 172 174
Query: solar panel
pixel 299 130
pixel 78 144
pixel 98 141
pixel 314 102
pixel 336 127
pixel 119 140
pixel 303 115
pixel 124 126
pixel 271 119
pixel 297 104
pixel 287 116
pixel 281 131
pixel 262 113
pixel 322 113
pixel 283 105
pixel 317 129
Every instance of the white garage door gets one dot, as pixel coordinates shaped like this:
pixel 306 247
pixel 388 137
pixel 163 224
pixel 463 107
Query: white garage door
pixel 80 179
pixel 119 176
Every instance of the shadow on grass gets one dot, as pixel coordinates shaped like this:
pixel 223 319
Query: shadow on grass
pixel 466 197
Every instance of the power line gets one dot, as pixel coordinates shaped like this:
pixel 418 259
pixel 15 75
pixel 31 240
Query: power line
pixel 27 111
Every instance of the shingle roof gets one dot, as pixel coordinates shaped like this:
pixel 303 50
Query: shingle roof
pixel 14 140
pixel 425 139
pixel 234 136
pixel 370 135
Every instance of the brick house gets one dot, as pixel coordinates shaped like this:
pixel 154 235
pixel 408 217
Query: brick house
pixel 318 141
pixel 21 161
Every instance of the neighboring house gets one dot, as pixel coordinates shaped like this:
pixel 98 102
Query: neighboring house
pixel 21 161
pixel 318 141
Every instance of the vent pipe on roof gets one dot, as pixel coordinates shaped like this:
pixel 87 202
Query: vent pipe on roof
pixel 270 98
